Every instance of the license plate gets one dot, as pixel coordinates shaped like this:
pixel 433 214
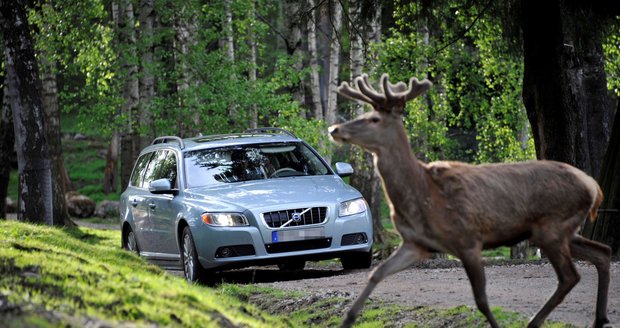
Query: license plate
pixel 293 235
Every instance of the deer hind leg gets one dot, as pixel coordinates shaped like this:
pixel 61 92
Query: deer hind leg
pixel 406 255
pixel 472 262
pixel 558 252
pixel 599 255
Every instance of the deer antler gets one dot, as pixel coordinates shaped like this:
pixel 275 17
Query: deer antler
pixel 390 97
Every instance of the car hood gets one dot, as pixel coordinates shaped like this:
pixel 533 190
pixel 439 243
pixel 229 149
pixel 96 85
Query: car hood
pixel 273 192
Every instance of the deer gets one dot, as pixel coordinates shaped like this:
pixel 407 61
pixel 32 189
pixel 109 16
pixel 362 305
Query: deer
pixel 462 209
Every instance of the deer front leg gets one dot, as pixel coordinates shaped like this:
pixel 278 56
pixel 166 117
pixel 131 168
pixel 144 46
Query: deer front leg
pixel 472 262
pixel 402 258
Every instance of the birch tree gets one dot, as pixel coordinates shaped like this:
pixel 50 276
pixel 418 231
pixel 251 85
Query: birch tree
pixel 365 178
pixel 60 178
pixel 334 63
pixel 315 88
pixel 129 142
pixel 23 87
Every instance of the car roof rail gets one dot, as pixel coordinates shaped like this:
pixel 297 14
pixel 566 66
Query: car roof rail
pixel 269 128
pixel 166 139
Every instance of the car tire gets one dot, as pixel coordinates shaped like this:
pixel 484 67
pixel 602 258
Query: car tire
pixel 358 260
pixel 192 270
pixel 292 265
pixel 130 242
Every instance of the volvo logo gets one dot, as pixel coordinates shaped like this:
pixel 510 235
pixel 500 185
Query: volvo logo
pixel 295 217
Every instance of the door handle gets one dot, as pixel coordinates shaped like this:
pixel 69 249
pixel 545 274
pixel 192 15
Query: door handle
pixel 152 205
pixel 134 202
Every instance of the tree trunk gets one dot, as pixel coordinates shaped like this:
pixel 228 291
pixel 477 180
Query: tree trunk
pixel 185 26
pixel 253 62
pixel 293 43
pixel 130 144
pixel 60 179
pixel 230 48
pixel 365 178
pixel 334 64
pixel 606 228
pixel 7 147
pixel 110 180
pixel 564 85
pixel 147 80
pixel 315 89
pixel 23 86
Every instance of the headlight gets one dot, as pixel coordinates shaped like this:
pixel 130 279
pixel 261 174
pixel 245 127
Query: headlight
pixel 351 207
pixel 224 219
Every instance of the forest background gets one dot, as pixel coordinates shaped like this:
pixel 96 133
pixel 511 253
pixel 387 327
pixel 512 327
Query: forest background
pixel 513 80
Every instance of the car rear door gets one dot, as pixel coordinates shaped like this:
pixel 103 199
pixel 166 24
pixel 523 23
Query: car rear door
pixel 137 200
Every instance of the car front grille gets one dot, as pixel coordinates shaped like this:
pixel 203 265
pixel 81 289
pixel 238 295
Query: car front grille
pixel 295 217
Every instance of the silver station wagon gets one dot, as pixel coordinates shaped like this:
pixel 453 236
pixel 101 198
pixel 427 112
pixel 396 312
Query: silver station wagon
pixel 262 197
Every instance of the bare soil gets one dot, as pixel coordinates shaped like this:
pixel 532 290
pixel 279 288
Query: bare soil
pixel 521 288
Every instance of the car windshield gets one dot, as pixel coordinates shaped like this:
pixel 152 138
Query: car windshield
pixel 251 162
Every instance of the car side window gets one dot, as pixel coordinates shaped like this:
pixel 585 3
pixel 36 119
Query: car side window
pixel 163 165
pixel 138 172
pixel 168 168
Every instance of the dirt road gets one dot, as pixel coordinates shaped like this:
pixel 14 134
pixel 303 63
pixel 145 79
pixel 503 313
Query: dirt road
pixel 521 288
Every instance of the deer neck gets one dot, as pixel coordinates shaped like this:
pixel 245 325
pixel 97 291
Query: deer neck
pixel 403 176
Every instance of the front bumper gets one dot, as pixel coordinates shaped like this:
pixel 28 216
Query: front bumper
pixel 228 247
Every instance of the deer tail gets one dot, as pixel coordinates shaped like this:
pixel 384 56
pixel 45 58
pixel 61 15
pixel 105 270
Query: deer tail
pixel 597 203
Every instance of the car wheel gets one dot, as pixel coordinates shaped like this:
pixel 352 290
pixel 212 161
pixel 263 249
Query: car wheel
pixel 192 269
pixel 361 260
pixel 131 243
pixel 293 265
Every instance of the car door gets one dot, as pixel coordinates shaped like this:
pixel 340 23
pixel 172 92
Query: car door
pixel 163 209
pixel 137 200
pixel 147 228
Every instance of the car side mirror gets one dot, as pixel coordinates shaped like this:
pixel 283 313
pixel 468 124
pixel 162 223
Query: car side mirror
pixel 161 186
pixel 344 169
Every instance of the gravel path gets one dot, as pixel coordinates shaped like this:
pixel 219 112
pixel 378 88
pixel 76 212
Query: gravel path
pixel 521 288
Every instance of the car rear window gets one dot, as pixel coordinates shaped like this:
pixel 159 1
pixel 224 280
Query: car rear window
pixel 251 162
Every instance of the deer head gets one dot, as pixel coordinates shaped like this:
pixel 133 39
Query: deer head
pixel 388 106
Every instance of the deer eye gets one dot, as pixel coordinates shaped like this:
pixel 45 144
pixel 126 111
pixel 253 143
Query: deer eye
pixel 375 119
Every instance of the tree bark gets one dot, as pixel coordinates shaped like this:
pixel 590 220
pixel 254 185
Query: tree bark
pixel 365 178
pixel 315 89
pixel 564 87
pixel 293 44
pixel 60 178
pixel 334 64
pixel 253 62
pixel 129 142
pixel 185 27
pixel 606 228
pixel 7 147
pixel 147 80
pixel 23 86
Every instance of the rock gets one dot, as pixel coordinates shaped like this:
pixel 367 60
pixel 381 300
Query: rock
pixel 79 206
pixel 108 209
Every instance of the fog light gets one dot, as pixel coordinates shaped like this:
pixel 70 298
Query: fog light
pixel 354 239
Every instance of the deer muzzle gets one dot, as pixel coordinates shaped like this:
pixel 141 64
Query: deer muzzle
pixel 336 134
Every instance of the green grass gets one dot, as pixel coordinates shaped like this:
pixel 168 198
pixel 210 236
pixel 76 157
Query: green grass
pixel 65 277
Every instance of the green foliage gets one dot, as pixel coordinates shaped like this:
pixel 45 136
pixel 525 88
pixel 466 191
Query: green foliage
pixel 611 47
pixel 474 112
pixel 76 39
